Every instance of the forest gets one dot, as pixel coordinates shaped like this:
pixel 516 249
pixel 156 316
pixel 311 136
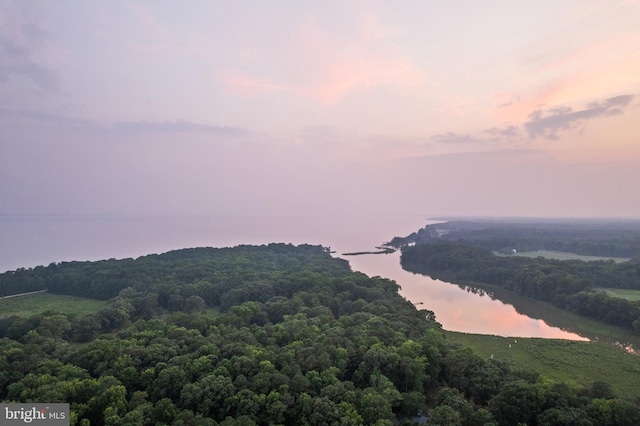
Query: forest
pixel 568 284
pixel 464 252
pixel 265 335
pixel 619 238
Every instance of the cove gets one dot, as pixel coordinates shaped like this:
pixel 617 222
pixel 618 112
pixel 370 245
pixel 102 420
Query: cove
pixel 28 241
pixel 458 309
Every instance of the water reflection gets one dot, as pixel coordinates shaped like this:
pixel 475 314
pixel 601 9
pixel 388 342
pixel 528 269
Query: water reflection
pixel 458 308
pixel 27 241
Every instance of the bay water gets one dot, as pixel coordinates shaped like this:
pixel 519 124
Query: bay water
pixel 32 240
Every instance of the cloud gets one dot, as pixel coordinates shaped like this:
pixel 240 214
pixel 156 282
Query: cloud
pixel 549 123
pixel 337 80
pixel 40 124
pixel 29 121
pixel 456 138
pixel 508 132
pixel 20 40
pixel 239 83
pixel 505 104
pixel 178 126
pixel 324 66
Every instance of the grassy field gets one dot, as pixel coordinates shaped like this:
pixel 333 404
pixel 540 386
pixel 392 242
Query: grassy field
pixel 36 303
pixel 623 293
pixel 572 362
pixel 559 255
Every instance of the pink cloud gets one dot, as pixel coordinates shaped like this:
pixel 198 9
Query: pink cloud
pixel 145 17
pixel 363 74
pixel 239 83
pixel 146 34
pixel 337 80
pixel 597 70
pixel 326 67
pixel 598 54
pixel 519 107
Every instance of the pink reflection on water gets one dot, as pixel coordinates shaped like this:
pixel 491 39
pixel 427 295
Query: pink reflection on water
pixel 457 309
pixel 37 240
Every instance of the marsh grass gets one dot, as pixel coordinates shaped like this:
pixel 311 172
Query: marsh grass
pixel 560 255
pixel 572 362
pixel 623 293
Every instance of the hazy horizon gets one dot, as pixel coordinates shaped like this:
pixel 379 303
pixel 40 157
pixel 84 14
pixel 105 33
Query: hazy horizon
pixel 284 109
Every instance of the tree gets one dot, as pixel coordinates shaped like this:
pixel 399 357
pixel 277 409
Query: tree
pixel 517 402
pixel 164 411
pixel 444 415
pixel 194 304
pixel 55 325
pixel 559 416
pixel 168 383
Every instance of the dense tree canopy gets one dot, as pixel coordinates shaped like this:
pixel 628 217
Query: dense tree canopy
pixel 586 237
pixel 270 335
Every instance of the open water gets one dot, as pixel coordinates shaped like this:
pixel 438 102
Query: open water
pixel 32 240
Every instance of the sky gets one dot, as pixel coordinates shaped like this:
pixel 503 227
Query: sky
pixel 246 108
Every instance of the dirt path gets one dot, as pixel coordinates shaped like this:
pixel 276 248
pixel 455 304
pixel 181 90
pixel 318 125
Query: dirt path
pixel 22 294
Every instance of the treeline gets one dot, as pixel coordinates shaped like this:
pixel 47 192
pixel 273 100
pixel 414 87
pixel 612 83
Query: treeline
pixel 209 271
pixel 568 284
pixel 589 238
pixel 271 335
pixel 21 281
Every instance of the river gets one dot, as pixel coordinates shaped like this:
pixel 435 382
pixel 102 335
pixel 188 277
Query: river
pixel 31 240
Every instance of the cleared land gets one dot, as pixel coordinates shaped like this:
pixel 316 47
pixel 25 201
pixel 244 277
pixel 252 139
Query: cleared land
pixel 560 255
pixel 37 303
pixel 580 363
pixel 623 293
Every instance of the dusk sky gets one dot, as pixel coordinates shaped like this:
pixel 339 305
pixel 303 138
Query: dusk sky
pixel 316 108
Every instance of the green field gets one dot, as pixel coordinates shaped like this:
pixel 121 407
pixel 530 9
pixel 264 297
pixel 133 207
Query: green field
pixel 559 255
pixel 573 362
pixel 37 303
pixel 623 293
